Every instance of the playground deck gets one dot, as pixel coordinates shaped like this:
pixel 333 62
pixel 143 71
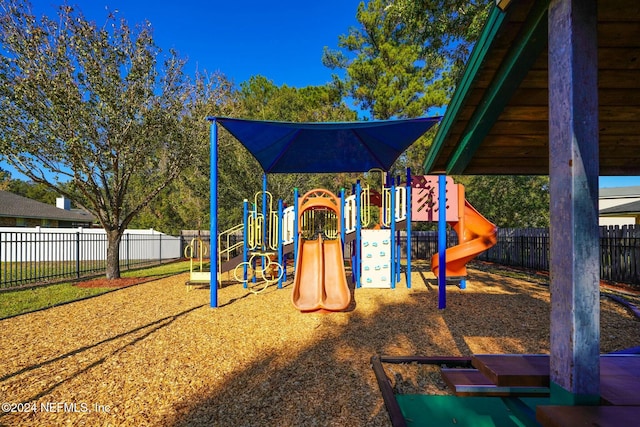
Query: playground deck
pixel 155 354
pixel 508 385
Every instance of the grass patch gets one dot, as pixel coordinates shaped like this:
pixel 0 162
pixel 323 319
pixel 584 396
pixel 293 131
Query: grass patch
pixel 26 300
pixel 162 270
pixel 22 301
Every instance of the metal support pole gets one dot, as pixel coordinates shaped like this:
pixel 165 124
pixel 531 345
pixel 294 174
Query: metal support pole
pixel 280 222
pixel 442 241
pixel 342 220
pixel 392 224
pixel 296 231
pixel 356 267
pixel 265 221
pixel 213 215
pixel 245 237
pixel 78 255
pixel 408 207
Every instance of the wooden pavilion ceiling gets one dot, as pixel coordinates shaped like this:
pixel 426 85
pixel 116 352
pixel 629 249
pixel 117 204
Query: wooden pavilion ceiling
pixel 485 136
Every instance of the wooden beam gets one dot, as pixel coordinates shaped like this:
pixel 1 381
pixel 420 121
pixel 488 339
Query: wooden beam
pixel 574 169
pixel 390 402
pixel 523 54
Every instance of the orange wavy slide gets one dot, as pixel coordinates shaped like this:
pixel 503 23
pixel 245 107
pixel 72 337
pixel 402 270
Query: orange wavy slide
pixel 476 234
pixel 320 279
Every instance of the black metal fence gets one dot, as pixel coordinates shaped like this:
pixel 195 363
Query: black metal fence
pixel 529 248
pixel 34 257
pixel 28 257
pixel 526 247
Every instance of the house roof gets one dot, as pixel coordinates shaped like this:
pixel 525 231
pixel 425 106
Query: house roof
pixel 620 192
pixel 632 208
pixel 498 119
pixel 13 205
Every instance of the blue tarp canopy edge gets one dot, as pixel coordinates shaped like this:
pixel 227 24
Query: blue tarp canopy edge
pixel 287 147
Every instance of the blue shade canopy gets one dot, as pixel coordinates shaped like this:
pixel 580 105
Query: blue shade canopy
pixel 286 147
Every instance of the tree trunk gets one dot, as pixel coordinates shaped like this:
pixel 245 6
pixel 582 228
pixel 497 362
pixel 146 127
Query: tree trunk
pixel 113 253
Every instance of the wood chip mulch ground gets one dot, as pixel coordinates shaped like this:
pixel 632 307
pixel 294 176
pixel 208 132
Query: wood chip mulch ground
pixel 112 283
pixel 156 355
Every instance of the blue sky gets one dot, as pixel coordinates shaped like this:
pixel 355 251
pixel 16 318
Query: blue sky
pixel 618 181
pixel 281 40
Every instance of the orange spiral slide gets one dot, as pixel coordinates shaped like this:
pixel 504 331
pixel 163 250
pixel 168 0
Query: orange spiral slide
pixel 320 279
pixel 476 234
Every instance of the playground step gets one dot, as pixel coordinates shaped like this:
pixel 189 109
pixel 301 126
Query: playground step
pixel 472 382
pixel 531 370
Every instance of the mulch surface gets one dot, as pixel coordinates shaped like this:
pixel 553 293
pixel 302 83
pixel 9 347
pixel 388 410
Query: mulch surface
pixel 623 288
pixel 112 283
pixel 157 355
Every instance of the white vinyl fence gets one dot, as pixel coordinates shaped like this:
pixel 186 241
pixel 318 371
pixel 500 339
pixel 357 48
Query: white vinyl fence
pixel 29 255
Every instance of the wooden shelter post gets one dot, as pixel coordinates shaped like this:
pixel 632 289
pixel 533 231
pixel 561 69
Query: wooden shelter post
pixel 574 170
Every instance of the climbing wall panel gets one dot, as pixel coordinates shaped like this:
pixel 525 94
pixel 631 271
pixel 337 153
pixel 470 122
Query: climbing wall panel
pixel 376 259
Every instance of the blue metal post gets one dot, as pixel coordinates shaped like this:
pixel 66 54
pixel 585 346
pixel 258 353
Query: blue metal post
pixel 408 228
pixel 280 222
pixel 213 215
pixel 342 220
pixel 442 241
pixel 245 235
pixel 284 256
pixel 296 236
pixel 392 219
pixel 398 248
pixel 398 245
pixel 357 265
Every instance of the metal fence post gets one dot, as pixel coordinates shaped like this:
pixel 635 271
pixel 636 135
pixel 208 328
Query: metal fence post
pixel 128 252
pixel 77 254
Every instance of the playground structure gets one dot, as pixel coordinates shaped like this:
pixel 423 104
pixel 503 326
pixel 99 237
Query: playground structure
pixel 197 249
pixel 475 233
pixel 286 147
pixel 320 226
pixel 487 109
pixel 320 280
